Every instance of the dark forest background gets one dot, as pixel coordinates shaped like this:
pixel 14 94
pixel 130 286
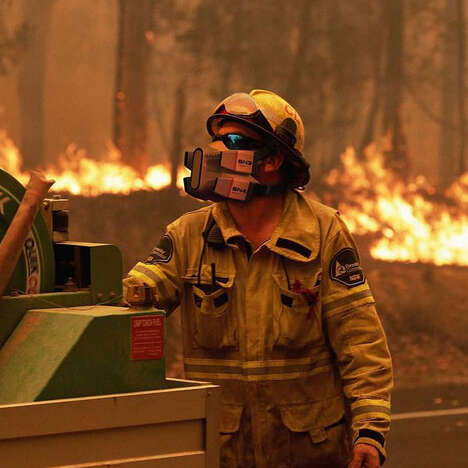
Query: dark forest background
pixel 146 73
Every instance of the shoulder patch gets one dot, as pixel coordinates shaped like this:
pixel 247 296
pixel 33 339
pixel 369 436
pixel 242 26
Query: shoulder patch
pixel 162 253
pixel 345 268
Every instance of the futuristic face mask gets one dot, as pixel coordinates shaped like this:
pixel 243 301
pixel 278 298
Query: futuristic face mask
pixel 226 174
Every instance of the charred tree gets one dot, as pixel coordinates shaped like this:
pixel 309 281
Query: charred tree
pixel 375 50
pixel 396 157
pixel 342 76
pixel 31 82
pixel 371 117
pixel 131 97
pixel 293 89
pixel 461 57
pixel 177 132
pixel 448 133
pixel 12 43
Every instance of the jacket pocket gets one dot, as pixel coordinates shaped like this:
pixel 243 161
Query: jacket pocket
pixel 230 419
pixel 296 317
pixel 314 417
pixel 318 434
pixel 213 317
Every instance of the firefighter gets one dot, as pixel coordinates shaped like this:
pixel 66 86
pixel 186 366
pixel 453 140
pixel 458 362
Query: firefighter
pixel 275 305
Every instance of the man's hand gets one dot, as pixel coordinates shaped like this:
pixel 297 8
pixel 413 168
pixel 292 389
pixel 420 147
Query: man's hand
pixel 365 456
pixel 37 188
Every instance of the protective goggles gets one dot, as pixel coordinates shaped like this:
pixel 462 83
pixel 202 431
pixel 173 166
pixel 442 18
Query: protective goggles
pixel 241 107
pixel 234 141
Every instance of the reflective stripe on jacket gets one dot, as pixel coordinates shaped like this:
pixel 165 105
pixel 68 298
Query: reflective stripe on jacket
pixel 290 331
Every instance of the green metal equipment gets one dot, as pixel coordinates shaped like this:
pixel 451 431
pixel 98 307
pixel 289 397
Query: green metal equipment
pixel 61 335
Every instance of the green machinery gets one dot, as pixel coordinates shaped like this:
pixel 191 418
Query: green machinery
pixel 70 357
pixel 55 342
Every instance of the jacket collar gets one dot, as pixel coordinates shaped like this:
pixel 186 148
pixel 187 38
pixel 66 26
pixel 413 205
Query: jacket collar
pixel 296 237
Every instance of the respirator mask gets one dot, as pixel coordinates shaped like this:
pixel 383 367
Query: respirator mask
pixel 228 174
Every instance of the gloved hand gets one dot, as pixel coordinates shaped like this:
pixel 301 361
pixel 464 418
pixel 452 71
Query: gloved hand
pixel 126 283
pixel 130 296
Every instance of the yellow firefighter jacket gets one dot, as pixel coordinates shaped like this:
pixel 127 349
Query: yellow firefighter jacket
pixel 289 331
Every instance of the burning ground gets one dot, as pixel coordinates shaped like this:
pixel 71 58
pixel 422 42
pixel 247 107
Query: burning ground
pixel 413 241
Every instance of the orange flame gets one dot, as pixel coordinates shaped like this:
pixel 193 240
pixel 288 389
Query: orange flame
pixel 414 223
pixel 410 220
pixel 10 158
pixel 78 174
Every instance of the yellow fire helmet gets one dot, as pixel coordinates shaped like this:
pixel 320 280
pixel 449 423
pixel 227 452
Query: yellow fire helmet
pixel 270 115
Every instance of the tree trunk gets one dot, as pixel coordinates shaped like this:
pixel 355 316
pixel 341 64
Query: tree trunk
pixel 448 136
pixel 392 124
pixel 133 64
pixel 461 56
pixel 31 82
pixel 340 78
pixel 293 89
pixel 370 127
pixel 371 119
pixel 178 122
pixel 233 44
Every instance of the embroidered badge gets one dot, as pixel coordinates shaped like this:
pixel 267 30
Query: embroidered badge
pixel 162 253
pixel 345 268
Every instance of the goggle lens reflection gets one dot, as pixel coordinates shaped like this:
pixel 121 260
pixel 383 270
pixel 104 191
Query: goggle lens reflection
pixel 235 141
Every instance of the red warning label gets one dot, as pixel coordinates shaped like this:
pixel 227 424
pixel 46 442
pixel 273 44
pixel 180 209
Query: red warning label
pixel 147 337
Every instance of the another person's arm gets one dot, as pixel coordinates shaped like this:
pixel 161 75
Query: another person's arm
pixel 13 241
